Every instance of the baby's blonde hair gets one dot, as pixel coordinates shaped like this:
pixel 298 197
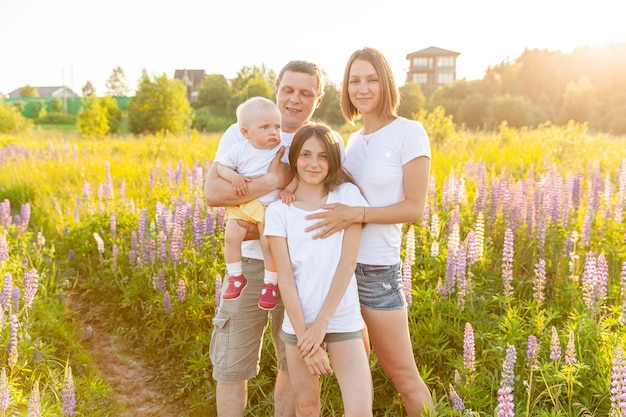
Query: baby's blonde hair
pixel 252 107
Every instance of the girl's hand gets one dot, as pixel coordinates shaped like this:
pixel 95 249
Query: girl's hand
pixel 319 364
pixel 287 197
pixel 311 340
pixel 337 218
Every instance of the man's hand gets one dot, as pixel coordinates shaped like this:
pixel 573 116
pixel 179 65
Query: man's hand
pixel 278 173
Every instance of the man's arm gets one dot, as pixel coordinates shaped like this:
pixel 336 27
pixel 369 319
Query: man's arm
pixel 219 193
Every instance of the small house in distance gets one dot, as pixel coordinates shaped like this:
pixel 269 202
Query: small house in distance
pixel 431 67
pixel 191 78
pixel 54 92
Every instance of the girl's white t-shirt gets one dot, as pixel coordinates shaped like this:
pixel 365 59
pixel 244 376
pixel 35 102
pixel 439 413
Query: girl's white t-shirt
pixel 377 168
pixel 232 136
pixel 315 261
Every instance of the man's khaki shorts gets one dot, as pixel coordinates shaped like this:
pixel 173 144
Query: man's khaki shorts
pixel 238 328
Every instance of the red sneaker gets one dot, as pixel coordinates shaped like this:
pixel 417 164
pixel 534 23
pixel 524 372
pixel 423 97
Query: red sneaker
pixel 268 296
pixel 236 284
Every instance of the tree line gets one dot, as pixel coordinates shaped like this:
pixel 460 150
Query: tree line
pixel 539 87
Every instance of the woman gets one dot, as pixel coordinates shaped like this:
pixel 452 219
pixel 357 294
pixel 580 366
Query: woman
pixel 317 280
pixel 390 162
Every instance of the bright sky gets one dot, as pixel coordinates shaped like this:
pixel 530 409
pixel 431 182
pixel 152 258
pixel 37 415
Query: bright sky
pixel 51 43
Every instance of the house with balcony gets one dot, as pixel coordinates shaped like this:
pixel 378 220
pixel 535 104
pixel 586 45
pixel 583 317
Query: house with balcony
pixel 432 67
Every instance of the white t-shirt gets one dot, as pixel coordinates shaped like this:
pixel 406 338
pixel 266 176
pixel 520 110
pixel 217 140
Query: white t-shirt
pixel 377 168
pixel 232 136
pixel 315 261
pixel 253 162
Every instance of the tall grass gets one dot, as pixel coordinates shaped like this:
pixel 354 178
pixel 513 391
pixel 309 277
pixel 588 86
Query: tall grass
pixel 523 239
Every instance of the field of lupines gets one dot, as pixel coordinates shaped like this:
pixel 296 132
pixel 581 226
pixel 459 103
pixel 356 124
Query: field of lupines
pixel 516 275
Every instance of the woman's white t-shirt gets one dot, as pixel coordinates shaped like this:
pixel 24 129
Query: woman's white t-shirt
pixel 377 168
pixel 315 261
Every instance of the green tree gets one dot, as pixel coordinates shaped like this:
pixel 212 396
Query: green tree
pixel 56 105
pixel 11 119
pixel 411 100
pixel 579 102
pixel 93 119
pixel 246 73
pixel 29 91
pixel 516 111
pixel 159 105
pixel 116 84
pixel 329 111
pixel 215 92
pixel 473 111
pixel 114 114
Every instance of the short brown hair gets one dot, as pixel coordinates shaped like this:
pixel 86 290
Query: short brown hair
pixel 390 95
pixel 305 67
pixel 336 173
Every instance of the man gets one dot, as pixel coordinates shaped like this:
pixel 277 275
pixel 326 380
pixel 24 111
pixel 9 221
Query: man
pixel 239 324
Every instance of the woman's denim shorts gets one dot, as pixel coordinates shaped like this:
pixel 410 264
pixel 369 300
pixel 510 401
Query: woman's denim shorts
pixel 380 286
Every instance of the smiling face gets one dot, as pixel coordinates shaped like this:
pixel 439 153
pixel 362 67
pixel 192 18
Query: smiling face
pixel 312 163
pixel 297 98
pixel 364 87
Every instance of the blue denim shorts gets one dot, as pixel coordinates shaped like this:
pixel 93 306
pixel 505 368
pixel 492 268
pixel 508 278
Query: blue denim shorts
pixel 380 286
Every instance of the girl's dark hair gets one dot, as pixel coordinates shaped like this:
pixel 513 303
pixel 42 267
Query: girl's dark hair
pixel 336 173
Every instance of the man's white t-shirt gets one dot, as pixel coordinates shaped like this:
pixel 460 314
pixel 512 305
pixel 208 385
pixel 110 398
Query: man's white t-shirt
pixel 232 136
pixel 377 168
pixel 315 261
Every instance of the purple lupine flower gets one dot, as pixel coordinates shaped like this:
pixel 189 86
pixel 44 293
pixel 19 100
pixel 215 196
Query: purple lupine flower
pixel 12 346
pixel 506 406
pixel 589 282
pixel 86 190
pixel 69 395
pixel 7 291
pixel 460 271
pixel 123 190
pixel 457 402
pixel 162 247
pixel 113 225
pixel 176 244
pixel 407 280
pixel 209 223
pixel 34 403
pixel 5 397
pixel 167 302
pixel 152 252
pixel 532 351
pixel 160 281
pixel 618 383
pixel 31 281
pixel 15 298
pixel 469 353
pixel 25 215
pixel 555 345
pixel 472 248
pixel 450 272
pixel 107 188
pixel 585 235
pixel 4 249
pixel 182 290
pixel 87 333
pixel 218 291
pixel 539 282
pixel 507 262
pixel 570 350
pixel 221 213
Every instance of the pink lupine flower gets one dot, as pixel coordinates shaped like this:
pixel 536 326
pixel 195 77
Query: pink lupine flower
pixel 182 290
pixel 162 247
pixel 469 353
pixel 5 396
pixel 407 280
pixel 570 350
pixel 31 281
pixel 12 346
pixel 589 282
pixel 539 282
pixel 160 281
pixel 618 383
pixel 7 291
pixel 457 402
pixel 4 249
pixel 507 262
pixel 532 351
pixel 34 403
pixel 24 216
pixel 113 225
pixel 602 278
pixel 555 345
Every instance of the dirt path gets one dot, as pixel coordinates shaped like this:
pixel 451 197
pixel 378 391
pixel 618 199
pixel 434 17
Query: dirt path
pixel 128 376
